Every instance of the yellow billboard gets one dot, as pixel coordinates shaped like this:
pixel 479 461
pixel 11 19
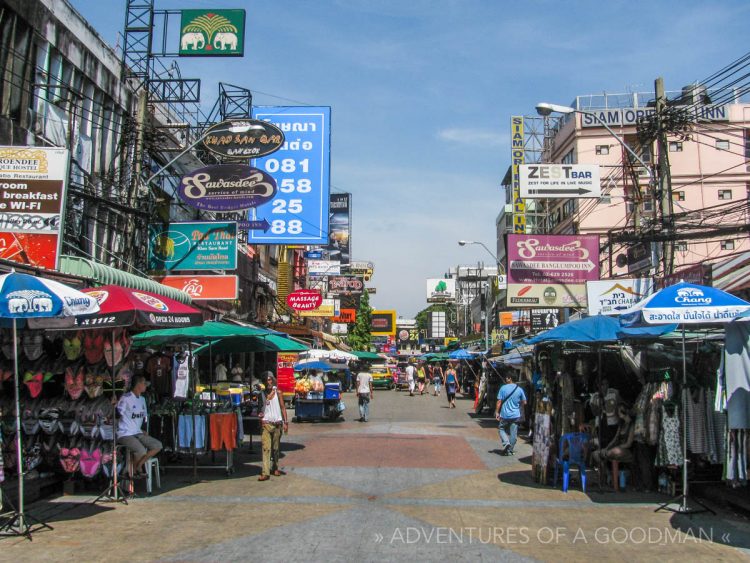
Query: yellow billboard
pixel 383 323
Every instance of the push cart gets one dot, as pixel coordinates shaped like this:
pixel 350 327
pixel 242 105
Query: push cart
pixel 320 406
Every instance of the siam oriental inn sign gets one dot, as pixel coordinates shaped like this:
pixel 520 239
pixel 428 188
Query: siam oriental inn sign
pixel 631 116
pixel 212 33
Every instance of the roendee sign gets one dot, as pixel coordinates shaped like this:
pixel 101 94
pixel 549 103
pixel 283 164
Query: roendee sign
pixel 243 138
pixel 226 187
pixel 304 299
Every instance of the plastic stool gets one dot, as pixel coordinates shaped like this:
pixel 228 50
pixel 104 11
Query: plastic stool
pixel 152 468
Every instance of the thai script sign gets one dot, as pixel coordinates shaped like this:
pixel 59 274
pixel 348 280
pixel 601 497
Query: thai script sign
pixel 304 299
pixel 33 184
pixel 193 246
pixel 559 180
pixel 212 33
pixel 612 297
pixel 298 213
pixel 203 287
pixel 551 270
pixel 226 187
pixel 243 138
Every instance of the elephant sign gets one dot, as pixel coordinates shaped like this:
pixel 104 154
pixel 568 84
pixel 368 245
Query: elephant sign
pixel 212 33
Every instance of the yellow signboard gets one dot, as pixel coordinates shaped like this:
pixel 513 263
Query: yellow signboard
pixel 326 309
pixel 517 154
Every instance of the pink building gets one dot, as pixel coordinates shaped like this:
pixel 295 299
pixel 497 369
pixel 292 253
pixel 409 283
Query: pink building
pixel 710 182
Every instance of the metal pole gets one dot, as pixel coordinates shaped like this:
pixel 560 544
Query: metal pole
pixel 684 426
pixel 19 447
pixel 114 424
pixel 487 316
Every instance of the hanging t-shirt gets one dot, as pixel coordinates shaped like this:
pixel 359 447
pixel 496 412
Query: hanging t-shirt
pixel 159 370
pixel 181 376
pixel 131 412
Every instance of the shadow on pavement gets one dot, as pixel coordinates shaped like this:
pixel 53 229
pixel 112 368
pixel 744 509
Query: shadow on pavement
pixel 709 528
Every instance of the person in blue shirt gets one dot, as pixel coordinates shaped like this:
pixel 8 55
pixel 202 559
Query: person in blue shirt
pixel 511 402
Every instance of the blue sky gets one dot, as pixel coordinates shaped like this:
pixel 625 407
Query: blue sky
pixel 422 93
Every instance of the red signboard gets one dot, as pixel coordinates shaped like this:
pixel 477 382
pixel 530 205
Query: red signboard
pixel 285 371
pixel 203 287
pixel 304 299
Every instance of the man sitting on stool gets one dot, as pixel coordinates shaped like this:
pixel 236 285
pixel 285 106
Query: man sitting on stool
pixel 131 411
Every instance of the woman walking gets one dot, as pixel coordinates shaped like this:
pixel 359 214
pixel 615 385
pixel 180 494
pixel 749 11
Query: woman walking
pixel 451 384
pixel 437 378
pixel 421 378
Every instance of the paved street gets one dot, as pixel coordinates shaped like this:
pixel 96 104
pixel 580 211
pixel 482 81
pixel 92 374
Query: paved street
pixel 418 482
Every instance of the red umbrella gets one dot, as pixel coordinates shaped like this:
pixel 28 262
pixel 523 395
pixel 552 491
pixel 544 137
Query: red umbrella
pixel 121 306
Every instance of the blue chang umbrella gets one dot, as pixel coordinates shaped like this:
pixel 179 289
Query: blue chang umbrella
pixel 686 303
pixel 460 354
pixel 28 297
pixel 322 366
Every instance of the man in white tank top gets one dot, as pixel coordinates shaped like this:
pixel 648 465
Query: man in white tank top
pixel 274 421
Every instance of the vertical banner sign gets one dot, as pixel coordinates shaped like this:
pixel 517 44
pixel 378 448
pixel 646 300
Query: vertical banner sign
pixel 339 230
pixel 517 155
pixel 33 181
pixel 299 212
pixel 212 33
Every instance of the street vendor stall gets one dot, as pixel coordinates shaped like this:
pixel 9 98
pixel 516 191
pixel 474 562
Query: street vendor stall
pixel 315 399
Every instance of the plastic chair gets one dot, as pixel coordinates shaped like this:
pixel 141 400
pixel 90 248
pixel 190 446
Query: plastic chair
pixel 574 454
pixel 152 470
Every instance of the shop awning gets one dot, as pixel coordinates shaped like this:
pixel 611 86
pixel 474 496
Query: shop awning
pixel 362 355
pixel 732 275
pixel 209 331
pixel 106 275
pixel 247 344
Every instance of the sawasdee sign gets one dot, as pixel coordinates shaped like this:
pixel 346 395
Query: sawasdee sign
pixel 226 187
pixel 298 214
pixel 193 246
pixel 551 270
pixel 243 138
pixel 33 183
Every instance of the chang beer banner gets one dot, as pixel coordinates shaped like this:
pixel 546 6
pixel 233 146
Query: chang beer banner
pixel 517 155
pixel 212 33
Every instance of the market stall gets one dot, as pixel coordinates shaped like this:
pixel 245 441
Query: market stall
pixel 315 399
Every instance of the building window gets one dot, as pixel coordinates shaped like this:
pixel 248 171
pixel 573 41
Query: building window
pixel 727 245
pixel 722 144
pixel 747 144
pixel 648 206
pixel 680 246
pixel 675 146
pixel 679 196
pixel 602 149
pixel 569 158
pixel 725 194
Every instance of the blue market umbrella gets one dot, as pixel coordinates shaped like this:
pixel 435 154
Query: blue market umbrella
pixel 597 328
pixel 460 354
pixel 686 303
pixel 322 366
pixel 28 297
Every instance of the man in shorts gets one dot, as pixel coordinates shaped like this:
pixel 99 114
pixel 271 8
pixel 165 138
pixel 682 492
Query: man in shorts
pixel 131 412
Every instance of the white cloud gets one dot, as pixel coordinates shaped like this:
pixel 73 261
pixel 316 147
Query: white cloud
pixel 469 136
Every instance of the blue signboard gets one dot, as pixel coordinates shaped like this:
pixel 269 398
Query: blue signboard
pixel 298 214
pixel 192 246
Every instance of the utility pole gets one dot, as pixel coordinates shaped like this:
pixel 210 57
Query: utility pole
pixel 664 178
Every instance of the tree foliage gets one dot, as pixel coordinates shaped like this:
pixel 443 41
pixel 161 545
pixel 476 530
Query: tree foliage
pixel 359 333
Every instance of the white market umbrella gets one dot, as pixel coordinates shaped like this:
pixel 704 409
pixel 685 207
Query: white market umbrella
pixel 27 297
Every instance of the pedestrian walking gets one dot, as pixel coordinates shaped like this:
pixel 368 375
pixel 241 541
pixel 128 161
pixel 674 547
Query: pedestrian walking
pixel 410 377
pixel 437 378
pixel 421 378
pixel 511 402
pixel 451 384
pixel 364 394
pixel 273 419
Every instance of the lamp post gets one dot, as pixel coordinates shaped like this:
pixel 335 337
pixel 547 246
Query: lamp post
pixel 499 267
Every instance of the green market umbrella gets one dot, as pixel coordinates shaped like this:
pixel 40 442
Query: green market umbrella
pixel 210 331
pixel 366 355
pixel 246 344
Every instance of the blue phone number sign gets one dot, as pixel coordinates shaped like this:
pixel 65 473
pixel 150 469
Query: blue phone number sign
pixel 301 167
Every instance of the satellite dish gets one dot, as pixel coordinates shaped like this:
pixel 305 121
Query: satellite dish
pixel 621 260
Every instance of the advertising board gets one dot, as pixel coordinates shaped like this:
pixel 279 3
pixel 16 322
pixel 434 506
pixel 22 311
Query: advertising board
pixel 441 290
pixel 612 297
pixel 203 287
pixel 339 225
pixel 193 245
pixel 212 33
pixel 383 323
pixel 559 180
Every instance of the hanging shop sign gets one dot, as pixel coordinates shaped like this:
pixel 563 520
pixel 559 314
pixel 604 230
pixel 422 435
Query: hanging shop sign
pixel 347 316
pixel 299 211
pixel 323 267
pixel 345 285
pixel 212 33
pixel 192 246
pixel 639 257
pixel 551 270
pixel 383 323
pixel 327 308
pixel 204 287
pixel 226 187
pixel 339 328
pixel 543 319
pixel 243 138
pixel 304 299
pixel 33 184
pixel 612 297
pixel 559 180
pixel 441 290
pixel 339 227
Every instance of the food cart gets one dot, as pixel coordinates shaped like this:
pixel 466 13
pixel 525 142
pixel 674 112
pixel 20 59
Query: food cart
pixel 316 400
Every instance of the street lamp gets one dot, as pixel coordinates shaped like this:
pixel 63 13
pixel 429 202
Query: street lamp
pixel 497 262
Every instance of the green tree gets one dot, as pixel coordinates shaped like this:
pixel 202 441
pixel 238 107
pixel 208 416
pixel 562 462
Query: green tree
pixel 359 333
